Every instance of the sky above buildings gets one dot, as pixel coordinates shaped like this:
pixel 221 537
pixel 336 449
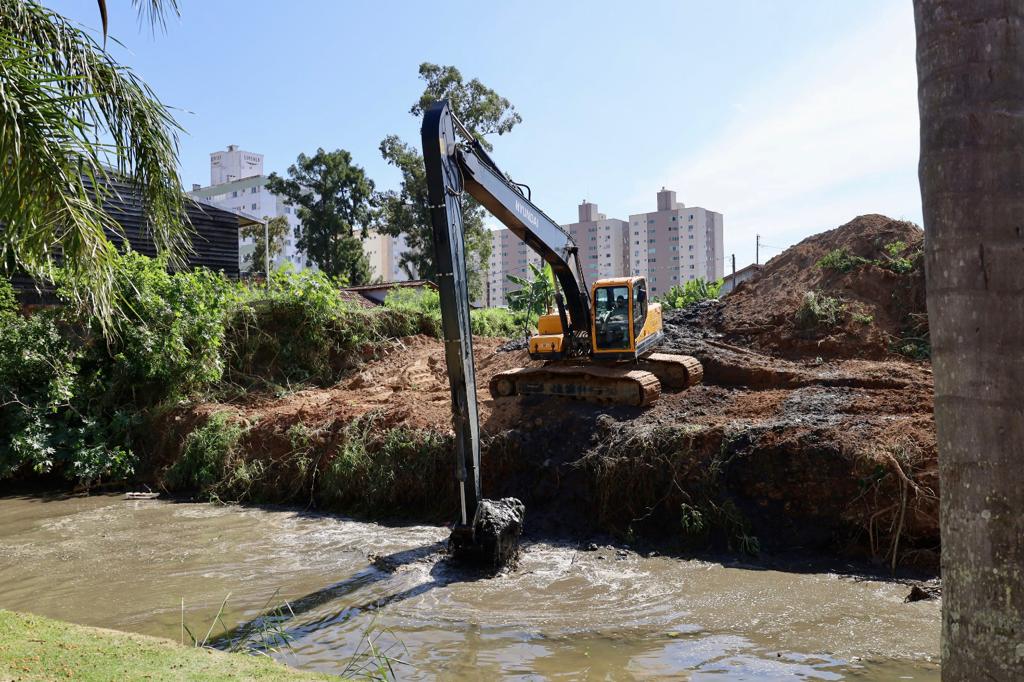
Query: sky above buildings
pixel 788 117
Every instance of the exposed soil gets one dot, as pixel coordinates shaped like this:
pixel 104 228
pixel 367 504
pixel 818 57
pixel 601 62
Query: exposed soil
pixel 792 440
pixel 880 306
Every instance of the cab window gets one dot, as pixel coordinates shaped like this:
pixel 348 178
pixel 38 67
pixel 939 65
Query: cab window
pixel 611 318
pixel 639 308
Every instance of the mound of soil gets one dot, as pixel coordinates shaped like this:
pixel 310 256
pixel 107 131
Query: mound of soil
pixel 879 305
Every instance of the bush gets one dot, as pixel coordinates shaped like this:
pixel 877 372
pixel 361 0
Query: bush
pixel 818 310
pixel 692 291
pixel 841 260
pixel 204 455
pixel 426 303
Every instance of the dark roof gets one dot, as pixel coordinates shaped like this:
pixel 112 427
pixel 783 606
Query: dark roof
pixel 214 237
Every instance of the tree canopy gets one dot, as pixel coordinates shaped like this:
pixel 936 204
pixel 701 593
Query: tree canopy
pixel 405 212
pixel 277 230
pixel 335 202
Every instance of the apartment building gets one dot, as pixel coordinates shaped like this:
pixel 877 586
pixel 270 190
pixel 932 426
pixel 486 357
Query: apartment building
pixel 509 256
pixel 675 244
pixel 385 255
pixel 237 182
pixel 602 243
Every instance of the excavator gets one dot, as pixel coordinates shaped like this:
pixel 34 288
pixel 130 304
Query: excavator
pixel 598 345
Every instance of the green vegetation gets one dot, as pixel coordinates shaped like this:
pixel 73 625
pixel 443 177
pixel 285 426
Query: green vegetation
pixel 406 212
pixel 335 202
pixel 534 296
pixel 897 257
pixel 692 291
pixel 71 118
pixel 841 260
pixel 74 395
pixel 204 454
pixel 818 311
pixel 426 304
pixel 37 648
pixel 277 230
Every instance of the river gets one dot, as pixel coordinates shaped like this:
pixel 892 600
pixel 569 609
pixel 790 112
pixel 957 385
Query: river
pixel 563 613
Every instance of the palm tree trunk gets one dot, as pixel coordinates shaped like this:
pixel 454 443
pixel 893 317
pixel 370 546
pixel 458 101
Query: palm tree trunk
pixel 970 64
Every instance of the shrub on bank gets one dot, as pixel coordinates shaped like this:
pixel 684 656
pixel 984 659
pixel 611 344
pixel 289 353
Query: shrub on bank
pixel 74 398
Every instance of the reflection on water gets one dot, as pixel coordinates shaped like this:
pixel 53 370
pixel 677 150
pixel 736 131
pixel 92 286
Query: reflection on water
pixel 562 614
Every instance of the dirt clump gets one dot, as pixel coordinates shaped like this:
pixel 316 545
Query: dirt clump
pixel 854 291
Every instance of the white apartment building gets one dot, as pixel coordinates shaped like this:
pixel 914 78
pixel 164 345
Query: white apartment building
pixel 675 244
pixel 385 255
pixel 237 182
pixel 601 242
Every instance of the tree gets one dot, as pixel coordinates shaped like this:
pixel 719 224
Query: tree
pixel 335 201
pixel 277 230
pixel 70 118
pixel 406 211
pixel 534 295
pixel 970 69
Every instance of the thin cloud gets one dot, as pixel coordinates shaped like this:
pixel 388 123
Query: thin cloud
pixel 830 138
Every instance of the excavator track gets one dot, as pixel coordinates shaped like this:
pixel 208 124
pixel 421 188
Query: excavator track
pixel 637 384
pixel 675 372
pixel 624 385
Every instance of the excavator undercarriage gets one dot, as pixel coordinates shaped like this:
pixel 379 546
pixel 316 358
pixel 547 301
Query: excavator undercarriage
pixel 636 383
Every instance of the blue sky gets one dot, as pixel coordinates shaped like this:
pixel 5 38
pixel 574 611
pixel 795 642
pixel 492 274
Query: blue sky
pixel 788 117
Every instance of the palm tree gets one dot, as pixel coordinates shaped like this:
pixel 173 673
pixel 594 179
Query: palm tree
pixel 70 118
pixel 970 69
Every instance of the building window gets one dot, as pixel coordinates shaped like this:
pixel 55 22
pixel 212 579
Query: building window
pixel 234 194
pixel 254 207
pixel 253 190
pixel 691 247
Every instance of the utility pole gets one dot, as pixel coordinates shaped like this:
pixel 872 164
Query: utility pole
pixel 266 250
pixel 757 251
pixel 734 269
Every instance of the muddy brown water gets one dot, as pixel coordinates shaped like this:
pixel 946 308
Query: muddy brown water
pixel 562 614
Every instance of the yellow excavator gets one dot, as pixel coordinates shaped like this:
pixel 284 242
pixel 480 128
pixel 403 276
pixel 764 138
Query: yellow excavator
pixel 599 344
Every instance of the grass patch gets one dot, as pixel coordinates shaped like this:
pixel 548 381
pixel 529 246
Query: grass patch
pixel 37 648
pixel 818 311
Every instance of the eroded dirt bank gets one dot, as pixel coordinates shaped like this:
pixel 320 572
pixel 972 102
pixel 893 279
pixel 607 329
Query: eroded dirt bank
pixel 802 435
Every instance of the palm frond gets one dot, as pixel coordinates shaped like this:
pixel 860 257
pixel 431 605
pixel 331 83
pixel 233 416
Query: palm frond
pixel 70 117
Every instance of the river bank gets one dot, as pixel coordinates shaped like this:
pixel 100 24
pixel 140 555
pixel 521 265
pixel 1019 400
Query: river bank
pixel 37 648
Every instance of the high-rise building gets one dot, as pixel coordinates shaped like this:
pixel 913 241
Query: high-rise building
pixel 238 183
pixel 601 243
pixel 509 256
pixel 385 255
pixel 234 164
pixel 675 244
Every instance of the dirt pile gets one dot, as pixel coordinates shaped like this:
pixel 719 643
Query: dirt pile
pixel 855 291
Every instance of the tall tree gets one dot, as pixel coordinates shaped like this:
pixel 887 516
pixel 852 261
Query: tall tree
pixel 970 68
pixel 70 117
pixel 406 211
pixel 335 201
pixel 277 231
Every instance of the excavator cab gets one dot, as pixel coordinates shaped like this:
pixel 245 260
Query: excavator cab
pixel 626 324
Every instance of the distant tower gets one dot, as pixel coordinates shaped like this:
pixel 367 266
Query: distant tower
pixel 234 164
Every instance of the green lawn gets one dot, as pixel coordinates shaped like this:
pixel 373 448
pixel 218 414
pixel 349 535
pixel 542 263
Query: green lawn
pixel 37 648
